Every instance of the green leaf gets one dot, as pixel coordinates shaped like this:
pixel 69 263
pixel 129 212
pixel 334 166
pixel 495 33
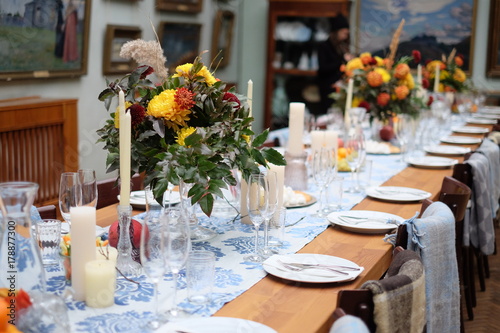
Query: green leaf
pixel 273 156
pixel 207 204
pixel 260 139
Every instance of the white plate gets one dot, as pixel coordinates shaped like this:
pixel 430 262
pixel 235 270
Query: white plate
pixel 486 116
pixel 215 325
pixel 353 220
pixel 461 140
pixel 272 266
pixel 432 162
pixel 447 150
pixel 470 129
pixel 397 193
pixel 490 109
pixel 481 121
pixel 138 199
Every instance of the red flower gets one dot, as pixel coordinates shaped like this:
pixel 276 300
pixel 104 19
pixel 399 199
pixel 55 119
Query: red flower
pixel 373 61
pixel 184 98
pixel 417 57
pixel 149 70
pixel 137 113
pixel 364 104
pixel 229 97
pixel 429 102
pixel 425 83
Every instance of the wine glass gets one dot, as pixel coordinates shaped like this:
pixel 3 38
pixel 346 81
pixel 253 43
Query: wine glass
pixel 178 247
pixel 153 254
pixel 272 184
pixel 69 194
pixel 322 170
pixel 356 152
pixel 257 203
pixel 88 183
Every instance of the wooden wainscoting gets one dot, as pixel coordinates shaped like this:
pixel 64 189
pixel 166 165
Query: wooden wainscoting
pixel 38 141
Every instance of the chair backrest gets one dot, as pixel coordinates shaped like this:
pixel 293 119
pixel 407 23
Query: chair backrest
pixel 402 234
pixel 108 190
pixel 359 303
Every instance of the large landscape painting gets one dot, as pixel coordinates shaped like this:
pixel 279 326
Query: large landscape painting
pixel 434 27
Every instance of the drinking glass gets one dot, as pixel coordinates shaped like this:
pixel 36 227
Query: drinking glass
pixel 257 203
pixel 178 248
pixel 153 256
pixel 69 194
pixel 356 152
pixel 322 171
pixel 88 184
pixel 272 184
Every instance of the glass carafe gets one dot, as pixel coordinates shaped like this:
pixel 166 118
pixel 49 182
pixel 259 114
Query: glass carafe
pixel 20 257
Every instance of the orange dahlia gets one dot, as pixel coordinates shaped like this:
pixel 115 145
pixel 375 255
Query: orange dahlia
pixel 401 92
pixel 383 99
pixel 459 61
pixel 374 79
pixel 401 71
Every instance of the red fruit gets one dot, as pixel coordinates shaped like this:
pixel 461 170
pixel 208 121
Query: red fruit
pixel 386 133
pixel 340 142
pixel 135 236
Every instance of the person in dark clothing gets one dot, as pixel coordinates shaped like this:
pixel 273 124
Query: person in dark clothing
pixel 332 53
pixel 59 45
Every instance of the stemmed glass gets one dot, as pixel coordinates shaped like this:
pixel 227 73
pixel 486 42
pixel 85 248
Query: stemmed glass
pixel 178 247
pixel 322 170
pixel 257 203
pixel 88 183
pixel 154 255
pixel 69 194
pixel 272 184
pixel 356 152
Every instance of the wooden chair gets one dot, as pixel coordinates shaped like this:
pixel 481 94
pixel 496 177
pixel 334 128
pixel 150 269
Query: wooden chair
pixel 47 212
pixel 108 190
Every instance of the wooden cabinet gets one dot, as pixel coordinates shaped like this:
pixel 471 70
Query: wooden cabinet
pixel 295 29
pixel 38 141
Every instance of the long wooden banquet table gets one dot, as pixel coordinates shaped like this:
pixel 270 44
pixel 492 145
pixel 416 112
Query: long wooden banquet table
pixel 289 306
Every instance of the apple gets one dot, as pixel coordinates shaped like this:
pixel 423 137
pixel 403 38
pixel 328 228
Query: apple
pixel 135 236
pixel 386 133
pixel 340 142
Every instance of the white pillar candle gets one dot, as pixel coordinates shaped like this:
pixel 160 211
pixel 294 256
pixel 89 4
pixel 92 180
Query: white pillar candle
pixel 109 251
pixel 280 184
pixel 348 103
pixel 419 75
pixel 317 140
pixel 83 222
pixel 296 128
pixel 331 140
pixel 436 78
pixel 125 142
pixel 250 97
pixel 100 283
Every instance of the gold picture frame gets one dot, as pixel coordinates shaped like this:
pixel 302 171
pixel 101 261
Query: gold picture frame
pixel 186 6
pixel 222 38
pixel 116 36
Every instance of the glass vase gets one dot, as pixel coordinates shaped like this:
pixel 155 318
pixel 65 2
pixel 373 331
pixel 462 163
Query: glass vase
pixel 198 233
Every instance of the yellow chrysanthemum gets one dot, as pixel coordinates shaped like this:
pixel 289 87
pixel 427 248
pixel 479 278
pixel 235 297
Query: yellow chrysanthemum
pixel 209 78
pixel 183 133
pixel 407 81
pixel 164 106
pixel 353 64
pixel 117 114
pixel 443 75
pixel 246 138
pixel 355 101
pixel 380 61
pixel 184 70
pixel 459 75
pixel 385 74
pixel 431 67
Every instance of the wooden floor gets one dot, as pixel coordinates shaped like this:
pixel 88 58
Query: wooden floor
pixel 487 311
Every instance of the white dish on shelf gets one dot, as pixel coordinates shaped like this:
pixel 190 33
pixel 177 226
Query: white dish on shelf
pixel 447 150
pixel 273 266
pixel 462 140
pixel 432 162
pixel 397 193
pixel 470 129
pixel 364 221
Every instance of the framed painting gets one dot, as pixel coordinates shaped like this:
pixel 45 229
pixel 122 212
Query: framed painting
pixel 187 6
pixel 116 36
pixel 433 27
pixel 44 41
pixel 493 63
pixel 180 42
pixel 222 38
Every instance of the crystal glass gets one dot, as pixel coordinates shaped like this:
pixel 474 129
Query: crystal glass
pixel 125 263
pixel 257 204
pixel 178 248
pixel 197 232
pixel 88 185
pixel 356 152
pixel 153 256
pixel 69 194
pixel 272 184
pixel 322 164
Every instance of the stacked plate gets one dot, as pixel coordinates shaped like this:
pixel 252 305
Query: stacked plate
pixel 481 121
pixel 470 130
pixel 461 140
pixel 364 221
pixel 432 162
pixel 397 193
pixel 447 150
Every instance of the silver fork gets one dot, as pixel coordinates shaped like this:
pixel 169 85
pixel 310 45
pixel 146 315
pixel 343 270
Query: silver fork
pixel 299 267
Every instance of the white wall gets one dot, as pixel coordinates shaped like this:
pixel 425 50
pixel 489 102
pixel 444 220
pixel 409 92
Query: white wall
pixel 248 61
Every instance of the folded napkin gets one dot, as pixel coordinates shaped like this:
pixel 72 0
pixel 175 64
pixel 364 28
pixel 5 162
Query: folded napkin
pixel 492 152
pixel 399 299
pixel 433 238
pixel 349 324
pixel 480 220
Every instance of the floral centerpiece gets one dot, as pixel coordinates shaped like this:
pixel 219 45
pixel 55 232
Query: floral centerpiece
pixel 186 127
pixel 383 86
pixel 451 76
